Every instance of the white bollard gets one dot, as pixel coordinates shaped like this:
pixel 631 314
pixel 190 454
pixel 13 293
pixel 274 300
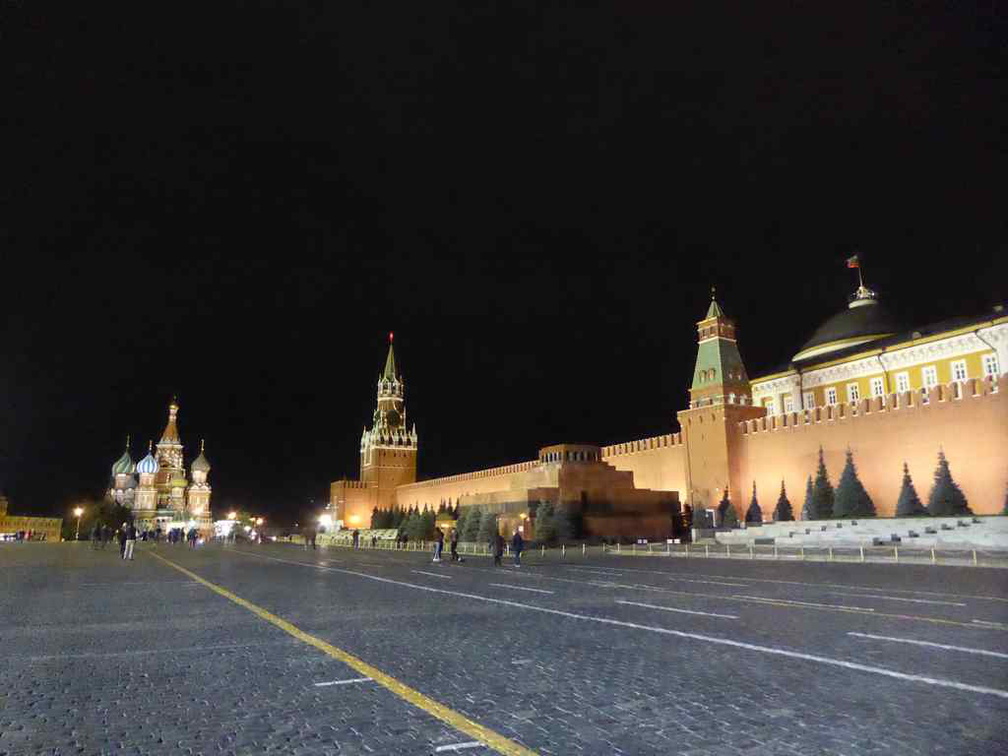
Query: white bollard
pixel 803 552
pixel 617 547
pixel 727 549
pixel 895 553
pixel 831 553
pixel 563 549
pixel 861 549
pixel 933 560
pixel 582 549
pixel 775 551
pixel 706 550
pixel 542 551
pixel 752 551
pixel 974 556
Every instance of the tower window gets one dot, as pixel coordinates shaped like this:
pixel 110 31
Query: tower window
pixel 831 396
pixel 903 382
pixel 877 387
pixel 809 400
pixel 853 393
pixel 930 376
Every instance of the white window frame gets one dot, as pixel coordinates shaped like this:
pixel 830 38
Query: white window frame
pixel 770 408
pixel 810 400
pixel 929 376
pixel 831 396
pixel 959 370
pixel 902 382
pixel 788 403
pixel 853 393
pixel 877 386
pixel 990 365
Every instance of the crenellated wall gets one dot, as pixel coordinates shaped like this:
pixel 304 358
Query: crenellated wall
pixel 969 421
pixel 451 488
pixel 657 463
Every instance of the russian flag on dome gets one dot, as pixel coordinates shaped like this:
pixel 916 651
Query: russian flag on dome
pixel 852 262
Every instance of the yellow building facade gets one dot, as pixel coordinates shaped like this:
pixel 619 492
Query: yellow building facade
pixel 41 528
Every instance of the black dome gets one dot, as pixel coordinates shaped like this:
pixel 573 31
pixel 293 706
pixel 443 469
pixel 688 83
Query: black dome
pixel 859 323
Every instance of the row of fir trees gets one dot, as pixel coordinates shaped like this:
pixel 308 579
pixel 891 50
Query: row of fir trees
pixel 850 499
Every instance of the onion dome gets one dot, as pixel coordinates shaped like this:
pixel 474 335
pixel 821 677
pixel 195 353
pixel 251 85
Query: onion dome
pixel 124 465
pixel 148 465
pixel 864 321
pixel 201 464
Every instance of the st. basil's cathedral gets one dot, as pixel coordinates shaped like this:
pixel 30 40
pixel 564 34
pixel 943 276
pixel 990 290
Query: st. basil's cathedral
pixel 156 488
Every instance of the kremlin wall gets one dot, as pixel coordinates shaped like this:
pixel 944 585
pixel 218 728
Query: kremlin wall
pixel 939 391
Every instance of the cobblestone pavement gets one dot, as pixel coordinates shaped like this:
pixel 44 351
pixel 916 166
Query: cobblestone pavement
pixel 597 655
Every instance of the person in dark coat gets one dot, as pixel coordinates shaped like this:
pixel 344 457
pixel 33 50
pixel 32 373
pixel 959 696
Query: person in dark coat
pixel 438 545
pixel 454 545
pixel 95 535
pixel 517 544
pixel 122 541
pixel 498 552
pixel 130 533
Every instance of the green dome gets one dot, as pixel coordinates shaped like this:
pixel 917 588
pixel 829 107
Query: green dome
pixel 123 465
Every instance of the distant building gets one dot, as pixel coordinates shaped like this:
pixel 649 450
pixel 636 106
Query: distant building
pixel 157 488
pixel 40 528
pixel 890 395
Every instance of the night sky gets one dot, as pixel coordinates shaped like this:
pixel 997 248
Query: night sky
pixel 237 205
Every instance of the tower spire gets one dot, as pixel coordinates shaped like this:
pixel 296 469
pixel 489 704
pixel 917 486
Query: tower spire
pixel 389 373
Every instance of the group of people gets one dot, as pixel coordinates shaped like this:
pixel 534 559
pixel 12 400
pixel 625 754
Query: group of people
pixel 127 535
pixel 26 535
pixel 496 546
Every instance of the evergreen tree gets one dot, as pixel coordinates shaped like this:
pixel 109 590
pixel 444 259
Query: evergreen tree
pixel 782 512
pixel 946 498
pixel 822 492
pixel 397 520
pixel 460 522
pixel 852 500
pixel 1005 510
pixel 754 513
pixel 545 524
pixel 567 522
pixel 429 523
pixel 473 519
pixel 441 508
pixel 374 518
pixel 806 511
pixel 909 504
pixel 487 527
pixel 728 516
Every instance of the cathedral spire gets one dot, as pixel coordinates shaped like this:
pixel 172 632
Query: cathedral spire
pixel 171 435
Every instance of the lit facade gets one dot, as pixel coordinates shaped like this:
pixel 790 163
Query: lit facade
pixel 157 489
pixel 890 396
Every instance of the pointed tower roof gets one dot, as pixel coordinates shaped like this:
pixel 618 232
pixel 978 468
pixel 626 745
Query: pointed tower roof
pixel 171 434
pixel 719 372
pixel 390 367
pixel 714 311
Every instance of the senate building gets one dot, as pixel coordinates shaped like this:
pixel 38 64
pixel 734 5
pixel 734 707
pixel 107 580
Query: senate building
pixel 861 382
pixel 157 489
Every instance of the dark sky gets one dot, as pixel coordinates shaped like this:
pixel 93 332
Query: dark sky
pixel 237 204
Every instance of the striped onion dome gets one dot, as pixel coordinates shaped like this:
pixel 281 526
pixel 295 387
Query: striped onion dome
pixel 148 465
pixel 123 465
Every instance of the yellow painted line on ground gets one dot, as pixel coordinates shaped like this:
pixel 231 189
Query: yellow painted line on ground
pixel 449 716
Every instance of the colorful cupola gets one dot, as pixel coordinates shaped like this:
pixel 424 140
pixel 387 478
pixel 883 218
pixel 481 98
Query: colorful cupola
pixel 719 376
pixel 171 434
pixel 124 465
pixel 148 465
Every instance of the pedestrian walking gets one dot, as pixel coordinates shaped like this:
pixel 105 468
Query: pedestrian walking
pixel 517 544
pixel 95 535
pixel 498 549
pixel 130 532
pixel 454 546
pixel 438 544
pixel 106 535
pixel 356 538
pixel 121 533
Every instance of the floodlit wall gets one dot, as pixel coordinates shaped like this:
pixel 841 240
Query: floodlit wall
pixel 969 421
pixel 657 463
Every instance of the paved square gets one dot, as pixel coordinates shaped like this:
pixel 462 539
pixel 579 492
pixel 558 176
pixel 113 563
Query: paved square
pixel 593 655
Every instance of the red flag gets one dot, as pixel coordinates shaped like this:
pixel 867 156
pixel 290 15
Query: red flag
pixel 852 262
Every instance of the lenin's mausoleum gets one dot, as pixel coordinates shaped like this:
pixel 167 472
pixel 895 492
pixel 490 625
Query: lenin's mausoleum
pixel 860 382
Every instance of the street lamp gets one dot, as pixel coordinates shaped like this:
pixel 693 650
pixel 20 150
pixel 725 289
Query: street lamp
pixel 232 515
pixel 78 511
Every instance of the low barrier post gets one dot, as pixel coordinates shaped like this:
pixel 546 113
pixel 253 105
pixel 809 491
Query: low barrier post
pixel 933 560
pixel 861 549
pixel 706 550
pixel 895 553
pixel 974 556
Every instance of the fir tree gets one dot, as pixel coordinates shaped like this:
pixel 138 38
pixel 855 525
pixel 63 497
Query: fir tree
pixel 473 519
pixel 852 500
pixel 782 512
pixel 909 504
pixel 567 522
pixel 822 492
pixel 487 527
pixel 545 524
pixel 946 498
pixel 460 521
pixel 374 518
pixel 754 513
pixel 806 511
pixel 1005 510
pixel 729 518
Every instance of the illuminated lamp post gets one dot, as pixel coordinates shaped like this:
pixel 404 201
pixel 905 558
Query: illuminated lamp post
pixel 78 511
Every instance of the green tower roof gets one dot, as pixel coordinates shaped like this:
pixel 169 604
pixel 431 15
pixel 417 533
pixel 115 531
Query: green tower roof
pixel 390 367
